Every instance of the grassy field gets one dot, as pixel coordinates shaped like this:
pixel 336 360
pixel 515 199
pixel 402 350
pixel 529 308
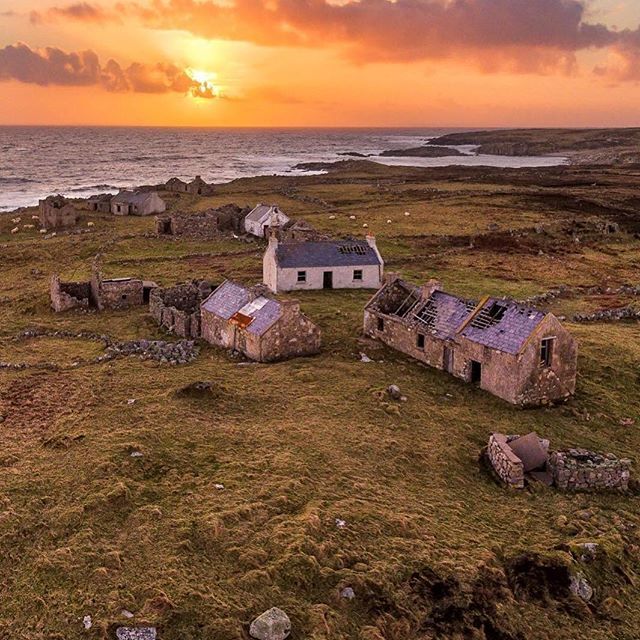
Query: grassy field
pixel 87 529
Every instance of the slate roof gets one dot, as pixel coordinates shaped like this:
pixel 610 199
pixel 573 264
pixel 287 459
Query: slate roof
pixel 443 314
pixel 259 212
pixel 226 300
pixel 230 299
pixel 132 197
pixel 509 333
pixel 450 313
pixel 295 255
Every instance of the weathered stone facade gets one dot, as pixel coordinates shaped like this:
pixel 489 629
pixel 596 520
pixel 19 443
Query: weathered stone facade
pixel 69 295
pixel 262 328
pixel 519 354
pixel 582 470
pixel 56 212
pixel 293 231
pixel 177 309
pixel 100 203
pixel 202 224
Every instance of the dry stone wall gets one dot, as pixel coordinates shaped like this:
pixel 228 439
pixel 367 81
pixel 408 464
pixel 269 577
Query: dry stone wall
pixel 177 309
pixel 504 461
pixel 582 470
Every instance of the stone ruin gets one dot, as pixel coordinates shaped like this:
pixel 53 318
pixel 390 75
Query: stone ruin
pixel 514 459
pixel 69 295
pixel 98 292
pixel 582 470
pixel 56 212
pixel 177 309
pixel 202 224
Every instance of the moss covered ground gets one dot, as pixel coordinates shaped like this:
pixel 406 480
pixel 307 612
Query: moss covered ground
pixel 88 529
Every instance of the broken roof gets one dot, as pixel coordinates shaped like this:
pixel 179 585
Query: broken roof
pixel 236 303
pixel 497 323
pixel 343 253
pixel 504 325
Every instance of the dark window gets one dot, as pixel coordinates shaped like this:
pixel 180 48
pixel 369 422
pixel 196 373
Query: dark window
pixel 302 276
pixel 380 324
pixel 124 296
pixel 546 352
pixel 357 274
pixel 420 341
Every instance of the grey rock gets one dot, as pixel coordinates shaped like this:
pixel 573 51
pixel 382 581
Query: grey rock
pixel 580 587
pixel 348 593
pixel 136 633
pixel 273 624
pixel 394 391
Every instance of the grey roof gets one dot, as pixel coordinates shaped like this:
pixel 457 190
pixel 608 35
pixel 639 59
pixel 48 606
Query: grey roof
pixel 265 317
pixel 260 212
pixel 230 298
pixel 448 314
pixel 226 300
pixel 343 253
pixel 132 197
pixel 509 333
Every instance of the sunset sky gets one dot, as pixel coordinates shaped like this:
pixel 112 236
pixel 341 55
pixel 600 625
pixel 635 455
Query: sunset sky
pixel 320 62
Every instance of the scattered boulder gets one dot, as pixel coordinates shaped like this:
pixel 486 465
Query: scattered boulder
pixel 136 633
pixel 273 624
pixel 394 392
pixel 197 389
pixel 580 587
pixel 347 593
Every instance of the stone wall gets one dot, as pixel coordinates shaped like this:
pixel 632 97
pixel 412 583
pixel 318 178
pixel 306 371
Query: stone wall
pixel 504 461
pixel 582 470
pixel 177 309
pixel 69 295
pixel 203 224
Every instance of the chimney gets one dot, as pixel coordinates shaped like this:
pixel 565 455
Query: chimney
pixel 371 241
pixel 426 290
pixel 273 241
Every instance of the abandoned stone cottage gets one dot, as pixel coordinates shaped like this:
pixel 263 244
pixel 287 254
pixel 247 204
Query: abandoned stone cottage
pixel 296 230
pixel 198 187
pixel 100 203
pixel 202 224
pixel 326 264
pixel 137 203
pixel 175 185
pixel 56 212
pixel 260 327
pixel 520 354
pixel 263 216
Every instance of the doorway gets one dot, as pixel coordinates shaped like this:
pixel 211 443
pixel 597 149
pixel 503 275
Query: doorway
pixel 448 359
pixel 476 372
pixel 327 280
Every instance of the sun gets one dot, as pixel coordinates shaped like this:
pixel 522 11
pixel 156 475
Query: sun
pixel 207 85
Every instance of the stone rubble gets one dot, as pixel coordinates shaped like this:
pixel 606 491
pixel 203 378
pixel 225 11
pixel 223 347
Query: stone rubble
pixel 181 352
pixel 136 633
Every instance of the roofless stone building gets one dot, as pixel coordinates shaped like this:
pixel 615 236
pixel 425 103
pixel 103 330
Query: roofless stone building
pixel 520 354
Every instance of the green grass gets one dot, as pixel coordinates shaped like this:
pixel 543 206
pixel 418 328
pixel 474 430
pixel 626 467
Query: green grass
pixel 86 529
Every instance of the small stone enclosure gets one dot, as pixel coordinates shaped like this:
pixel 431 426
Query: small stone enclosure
pixel 177 309
pixel 202 224
pixel 512 457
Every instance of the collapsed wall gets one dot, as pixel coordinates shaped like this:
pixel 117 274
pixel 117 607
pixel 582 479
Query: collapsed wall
pixel 69 295
pixel 504 461
pixel 580 470
pixel 177 309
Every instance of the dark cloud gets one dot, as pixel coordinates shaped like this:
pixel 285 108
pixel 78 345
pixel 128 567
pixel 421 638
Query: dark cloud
pixel 53 66
pixel 82 11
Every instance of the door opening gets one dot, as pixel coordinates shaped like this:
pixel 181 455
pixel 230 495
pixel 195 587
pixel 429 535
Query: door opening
pixel 476 372
pixel 327 280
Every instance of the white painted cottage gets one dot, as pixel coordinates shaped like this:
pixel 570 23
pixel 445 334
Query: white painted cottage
pixel 327 264
pixel 263 216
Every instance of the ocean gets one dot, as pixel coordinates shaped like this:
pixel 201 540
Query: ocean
pixel 80 161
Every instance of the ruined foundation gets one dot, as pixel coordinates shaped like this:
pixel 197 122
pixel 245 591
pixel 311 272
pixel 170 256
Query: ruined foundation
pixel 177 309
pixel 582 470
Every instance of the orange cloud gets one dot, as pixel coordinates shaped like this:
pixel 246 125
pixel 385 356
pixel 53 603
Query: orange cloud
pixel 52 66
pixel 541 36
